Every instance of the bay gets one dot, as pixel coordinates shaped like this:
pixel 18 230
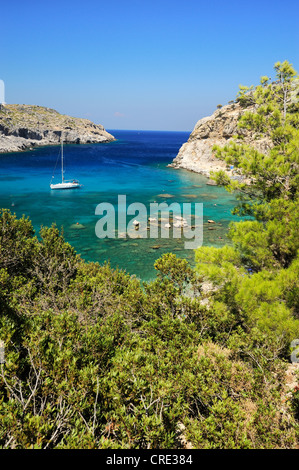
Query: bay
pixel 135 165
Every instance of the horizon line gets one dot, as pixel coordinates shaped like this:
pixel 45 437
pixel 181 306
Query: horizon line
pixel 145 130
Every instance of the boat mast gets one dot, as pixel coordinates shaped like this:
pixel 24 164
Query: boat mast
pixel 62 177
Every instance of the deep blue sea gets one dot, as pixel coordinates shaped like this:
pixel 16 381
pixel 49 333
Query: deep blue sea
pixel 136 166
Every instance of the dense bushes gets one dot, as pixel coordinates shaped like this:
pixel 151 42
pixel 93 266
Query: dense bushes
pixel 95 360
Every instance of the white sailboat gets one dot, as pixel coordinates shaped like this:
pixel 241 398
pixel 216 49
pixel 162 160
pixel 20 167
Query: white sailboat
pixel 70 184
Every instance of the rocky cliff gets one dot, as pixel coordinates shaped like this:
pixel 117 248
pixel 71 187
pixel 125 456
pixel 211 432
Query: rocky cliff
pixel 217 129
pixel 26 126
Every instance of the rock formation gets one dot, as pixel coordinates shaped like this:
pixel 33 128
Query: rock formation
pixel 26 126
pixel 217 129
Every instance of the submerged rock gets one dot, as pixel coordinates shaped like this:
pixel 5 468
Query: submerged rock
pixel 77 226
pixel 166 195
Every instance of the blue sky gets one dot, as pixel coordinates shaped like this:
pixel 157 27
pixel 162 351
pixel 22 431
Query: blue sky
pixel 142 64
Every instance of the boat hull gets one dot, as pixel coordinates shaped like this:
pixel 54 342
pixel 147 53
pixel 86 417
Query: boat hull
pixel 65 186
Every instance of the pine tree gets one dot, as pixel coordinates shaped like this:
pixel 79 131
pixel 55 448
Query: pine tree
pixel 271 196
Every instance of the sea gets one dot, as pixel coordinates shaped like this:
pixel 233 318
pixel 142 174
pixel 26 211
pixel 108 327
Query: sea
pixel 134 166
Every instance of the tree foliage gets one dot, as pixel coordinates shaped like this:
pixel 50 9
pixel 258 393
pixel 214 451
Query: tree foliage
pixel 95 360
pixel 268 190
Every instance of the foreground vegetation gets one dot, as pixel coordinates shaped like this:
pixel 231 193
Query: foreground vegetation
pixel 196 358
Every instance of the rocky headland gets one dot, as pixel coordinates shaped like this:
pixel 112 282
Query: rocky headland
pixel 218 129
pixel 25 126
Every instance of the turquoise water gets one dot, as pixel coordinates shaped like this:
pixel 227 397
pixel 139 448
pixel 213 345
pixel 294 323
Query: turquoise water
pixel 136 166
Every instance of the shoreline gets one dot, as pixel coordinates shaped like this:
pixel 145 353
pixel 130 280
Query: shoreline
pixel 30 148
pixel 219 129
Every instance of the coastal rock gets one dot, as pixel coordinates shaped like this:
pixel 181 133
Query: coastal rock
pixel 24 126
pixel 218 129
